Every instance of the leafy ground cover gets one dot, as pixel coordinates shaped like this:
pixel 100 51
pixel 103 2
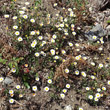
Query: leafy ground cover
pixel 50 63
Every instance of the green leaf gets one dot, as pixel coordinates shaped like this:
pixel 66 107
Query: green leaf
pixel 27 85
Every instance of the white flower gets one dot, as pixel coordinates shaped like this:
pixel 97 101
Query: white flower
pixel 34 88
pixel 32 33
pixel 70 44
pixel 25 16
pixel 90 97
pixel 56 57
pixel 32 20
pixel 81 108
pixel 71 13
pixel 15 27
pixel 96 99
pixel 83 74
pixel 65 20
pixel 6 16
pixel 37 54
pixel 37 32
pixel 76 72
pixel 62 25
pixel 52 51
pixel 11 101
pixel 100 65
pixel 23 8
pixel 54 36
pixel 94 37
pixel 52 40
pixel 63 52
pixel 68 86
pixel 55 4
pixel 108 82
pixel 66 70
pixel 13 70
pixel 97 95
pixel 20 95
pixel 93 77
pixel 62 95
pixel 27 3
pixel 74 33
pixel 64 90
pixel 21 12
pixel 75 63
pixel 77 45
pixel 98 89
pixel 17 33
pixel 17 86
pixel 92 63
pixel 37 78
pixel 20 39
pixel 87 88
pixel 33 44
pixel 104 88
pixel 1 79
pixel 100 48
pixel 40 37
pixel 77 57
pixel 14 17
pixel 72 25
pixel 46 89
pixel 49 81
pixel 66 33
pixel 69 9
pixel 11 91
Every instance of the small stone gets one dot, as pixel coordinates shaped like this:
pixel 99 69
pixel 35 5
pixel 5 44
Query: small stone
pixel 7 80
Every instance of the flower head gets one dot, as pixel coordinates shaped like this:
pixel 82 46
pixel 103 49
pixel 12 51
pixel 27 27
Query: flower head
pixel 11 101
pixel 1 79
pixel 46 89
pixel 34 88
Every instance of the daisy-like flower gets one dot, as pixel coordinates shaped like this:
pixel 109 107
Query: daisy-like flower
pixel 69 9
pixel 11 92
pixel 74 33
pixel 49 81
pixel 13 70
pixel 37 32
pixel 76 72
pixel 1 79
pixel 18 86
pixel 108 82
pixel 77 57
pixel 75 63
pixel 56 57
pixel 87 88
pixel 66 70
pixel 34 88
pixel 32 33
pixel 77 45
pixel 104 88
pixel 68 86
pixel 97 95
pixel 41 24
pixel 66 33
pixel 90 97
pixel 55 4
pixel 100 48
pixel 34 43
pixel 23 8
pixel 92 63
pixel 83 74
pixel 92 77
pixel 98 89
pixel 27 3
pixel 6 16
pixel 54 36
pixel 94 37
pixel 96 99
pixel 63 52
pixel 100 65
pixel 14 17
pixel 20 95
pixel 70 44
pixel 65 20
pixel 21 12
pixel 80 108
pixel 46 89
pixel 25 16
pixel 17 33
pixel 64 90
pixel 72 25
pixel 20 39
pixel 32 20
pixel 52 51
pixel 40 37
pixel 15 27
pixel 37 78
pixel 71 13
pixel 11 101
pixel 52 40
pixel 37 54
pixel 62 25
pixel 62 95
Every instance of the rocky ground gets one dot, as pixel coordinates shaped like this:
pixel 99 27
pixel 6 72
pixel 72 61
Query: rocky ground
pixel 42 101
